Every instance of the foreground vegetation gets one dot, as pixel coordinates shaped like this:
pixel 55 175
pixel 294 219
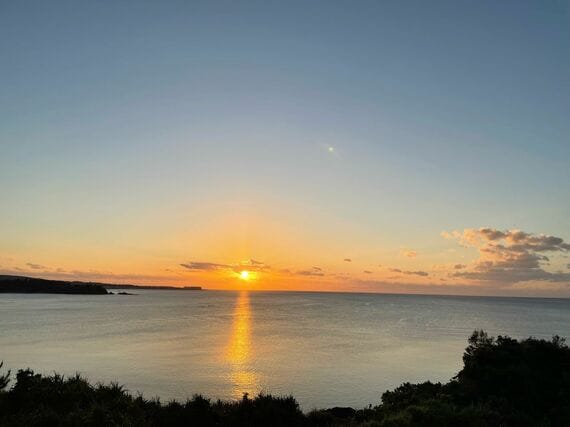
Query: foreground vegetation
pixel 504 382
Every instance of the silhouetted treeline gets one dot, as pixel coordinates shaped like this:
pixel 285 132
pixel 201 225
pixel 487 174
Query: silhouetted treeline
pixel 504 382
pixel 31 285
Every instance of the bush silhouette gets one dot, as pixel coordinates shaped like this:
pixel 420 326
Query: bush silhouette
pixel 4 378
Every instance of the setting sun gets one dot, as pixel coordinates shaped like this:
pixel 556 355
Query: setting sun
pixel 244 275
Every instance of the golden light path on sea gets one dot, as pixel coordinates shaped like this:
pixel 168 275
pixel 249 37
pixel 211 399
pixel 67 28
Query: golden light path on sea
pixel 239 349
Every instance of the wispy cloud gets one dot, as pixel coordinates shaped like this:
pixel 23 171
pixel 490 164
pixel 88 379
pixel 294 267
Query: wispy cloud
pixel 417 273
pixel 35 266
pixel 408 253
pixel 311 272
pixel 408 272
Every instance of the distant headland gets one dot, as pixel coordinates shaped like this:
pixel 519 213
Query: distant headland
pixel 32 285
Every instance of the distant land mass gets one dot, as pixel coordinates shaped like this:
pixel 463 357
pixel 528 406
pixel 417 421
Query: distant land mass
pixel 118 286
pixel 32 285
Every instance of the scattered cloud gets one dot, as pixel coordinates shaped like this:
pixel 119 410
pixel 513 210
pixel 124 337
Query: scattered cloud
pixel 348 259
pixel 35 266
pixel 510 256
pixel 414 273
pixel 408 253
pixel 417 273
pixel 367 272
pixel 251 265
pixel 311 272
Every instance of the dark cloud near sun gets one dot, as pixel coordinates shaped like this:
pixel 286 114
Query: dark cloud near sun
pixel 204 266
pixel 250 265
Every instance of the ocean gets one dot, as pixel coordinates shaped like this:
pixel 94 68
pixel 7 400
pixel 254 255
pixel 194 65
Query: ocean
pixel 326 349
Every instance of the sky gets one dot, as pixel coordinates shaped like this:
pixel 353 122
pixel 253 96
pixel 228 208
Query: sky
pixel 370 146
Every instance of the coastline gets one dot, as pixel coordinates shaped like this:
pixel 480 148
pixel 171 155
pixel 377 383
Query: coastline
pixel 32 285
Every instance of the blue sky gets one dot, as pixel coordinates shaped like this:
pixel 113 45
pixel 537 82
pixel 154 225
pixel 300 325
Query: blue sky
pixel 124 122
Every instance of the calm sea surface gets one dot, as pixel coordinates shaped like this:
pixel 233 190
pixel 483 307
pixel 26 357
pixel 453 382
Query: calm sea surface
pixel 325 349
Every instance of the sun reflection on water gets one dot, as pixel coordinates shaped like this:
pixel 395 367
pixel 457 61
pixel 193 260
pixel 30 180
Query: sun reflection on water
pixel 239 349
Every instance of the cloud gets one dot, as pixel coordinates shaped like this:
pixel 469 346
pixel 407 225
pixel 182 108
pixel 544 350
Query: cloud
pixel 313 271
pixel 417 273
pixel 250 265
pixel 204 266
pixel 35 266
pixel 408 253
pixel 309 273
pixel 459 266
pixel 367 272
pixel 510 256
pixel 414 273
pixel 348 259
